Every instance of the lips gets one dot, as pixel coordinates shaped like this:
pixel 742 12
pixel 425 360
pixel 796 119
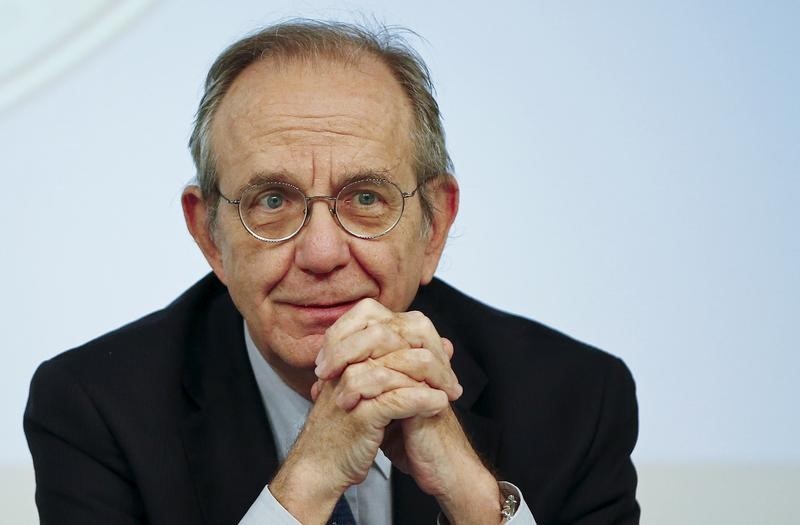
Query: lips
pixel 323 304
pixel 315 314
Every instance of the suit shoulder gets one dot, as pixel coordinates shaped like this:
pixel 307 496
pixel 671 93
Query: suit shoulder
pixel 486 330
pixel 152 341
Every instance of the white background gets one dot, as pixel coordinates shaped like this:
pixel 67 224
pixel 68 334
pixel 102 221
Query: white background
pixel 630 174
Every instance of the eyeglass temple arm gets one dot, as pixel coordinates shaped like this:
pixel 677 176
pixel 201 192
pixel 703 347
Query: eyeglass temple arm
pixel 406 195
pixel 414 191
pixel 229 201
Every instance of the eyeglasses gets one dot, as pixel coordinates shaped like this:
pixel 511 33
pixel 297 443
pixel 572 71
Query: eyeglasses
pixel 276 211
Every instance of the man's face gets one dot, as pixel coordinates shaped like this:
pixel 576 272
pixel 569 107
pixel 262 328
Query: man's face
pixel 315 126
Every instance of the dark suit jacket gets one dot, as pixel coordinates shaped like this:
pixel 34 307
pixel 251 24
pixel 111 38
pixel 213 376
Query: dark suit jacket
pixel 161 421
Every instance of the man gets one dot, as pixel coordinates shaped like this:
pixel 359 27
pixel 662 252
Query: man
pixel 321 374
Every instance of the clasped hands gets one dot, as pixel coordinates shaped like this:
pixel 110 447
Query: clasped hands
pixel 385 381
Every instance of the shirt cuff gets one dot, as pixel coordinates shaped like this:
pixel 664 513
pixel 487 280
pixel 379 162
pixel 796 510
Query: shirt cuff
pixel 266 509
pixel 522 516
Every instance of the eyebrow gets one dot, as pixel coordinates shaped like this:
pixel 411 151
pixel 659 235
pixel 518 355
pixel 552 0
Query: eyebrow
pixel 349 178
pixel 262 177
pixel 284 176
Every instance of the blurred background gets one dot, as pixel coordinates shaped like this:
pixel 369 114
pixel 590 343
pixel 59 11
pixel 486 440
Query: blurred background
pixel 630 174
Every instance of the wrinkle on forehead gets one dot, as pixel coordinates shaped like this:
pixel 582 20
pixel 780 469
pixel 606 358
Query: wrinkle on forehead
pixel 322 135
pixel 243 123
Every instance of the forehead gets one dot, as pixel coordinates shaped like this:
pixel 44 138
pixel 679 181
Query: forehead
pixel 317 121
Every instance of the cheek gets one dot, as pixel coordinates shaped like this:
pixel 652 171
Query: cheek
pixel 253 269
pixel 395 265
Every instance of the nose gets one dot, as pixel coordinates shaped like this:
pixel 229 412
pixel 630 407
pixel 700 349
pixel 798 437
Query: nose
pixel 322 245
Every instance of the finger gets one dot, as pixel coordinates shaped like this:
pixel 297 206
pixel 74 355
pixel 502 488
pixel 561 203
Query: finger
pixel 315 390
pixel 368 380
pixel 423 365
pixel 365 313
pixel 374 341
pixel 448 348
pixel 418 330
pixel 401 403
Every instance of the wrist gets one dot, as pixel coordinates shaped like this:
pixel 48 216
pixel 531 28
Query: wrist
pixel 475 501
pixel 305 490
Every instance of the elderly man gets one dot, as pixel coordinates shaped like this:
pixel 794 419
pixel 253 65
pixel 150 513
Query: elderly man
pixel 321 374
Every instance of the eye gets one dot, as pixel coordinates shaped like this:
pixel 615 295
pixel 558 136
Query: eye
pixel 273 201
pixel 366 198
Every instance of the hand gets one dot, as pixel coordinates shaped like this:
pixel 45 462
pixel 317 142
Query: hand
pixel 371 349
pixel 404 342
pixel 337 446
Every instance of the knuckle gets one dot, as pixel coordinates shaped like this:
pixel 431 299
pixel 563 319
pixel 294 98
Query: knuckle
pixel 361 308
pixel 421 319
pixel 367 302
pixel 380 331
pixel 371 302
pixel 424 357
pixel 415 315
pixel 381 375
pixel 349 377
pixel 370 305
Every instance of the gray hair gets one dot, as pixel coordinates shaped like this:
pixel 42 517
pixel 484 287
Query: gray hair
pixel 313 40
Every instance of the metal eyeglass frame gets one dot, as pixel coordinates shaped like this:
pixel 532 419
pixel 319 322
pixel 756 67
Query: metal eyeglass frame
pixel 328 198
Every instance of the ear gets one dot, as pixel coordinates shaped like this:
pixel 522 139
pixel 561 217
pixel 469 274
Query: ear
pixel 195 213
pixel 444 198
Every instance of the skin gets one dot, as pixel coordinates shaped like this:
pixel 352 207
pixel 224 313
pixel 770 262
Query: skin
pixel 326 309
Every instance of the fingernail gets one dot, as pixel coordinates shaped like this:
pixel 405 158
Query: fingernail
pixel 314 391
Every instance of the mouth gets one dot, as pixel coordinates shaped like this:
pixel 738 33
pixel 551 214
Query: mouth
pixel 319 314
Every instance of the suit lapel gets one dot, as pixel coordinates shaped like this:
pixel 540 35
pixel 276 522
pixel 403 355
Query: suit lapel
pixel 445 314
pixel 229 446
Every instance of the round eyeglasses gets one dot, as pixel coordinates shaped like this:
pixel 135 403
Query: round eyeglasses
pixel 276 211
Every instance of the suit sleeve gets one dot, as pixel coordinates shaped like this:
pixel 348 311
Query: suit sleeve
pixel 604 492
pixel 81 474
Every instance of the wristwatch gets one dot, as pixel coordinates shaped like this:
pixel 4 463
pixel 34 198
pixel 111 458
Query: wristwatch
pixel 509 504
